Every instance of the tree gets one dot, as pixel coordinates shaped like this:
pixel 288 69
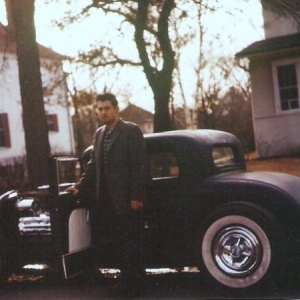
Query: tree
pixel 284 8
pixel 237 116
pixel 150 20
pixel 21 25
pixel 159 80
pixel 84 119
pixel 154 39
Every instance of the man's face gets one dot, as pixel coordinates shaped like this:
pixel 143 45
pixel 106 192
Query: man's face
pixel 107 113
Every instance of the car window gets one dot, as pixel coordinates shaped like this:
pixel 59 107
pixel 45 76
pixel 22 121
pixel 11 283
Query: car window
pixel 223 155
pixel 163 165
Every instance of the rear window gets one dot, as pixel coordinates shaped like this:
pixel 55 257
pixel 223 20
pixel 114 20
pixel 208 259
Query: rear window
pixel 223 156
pixel 163 165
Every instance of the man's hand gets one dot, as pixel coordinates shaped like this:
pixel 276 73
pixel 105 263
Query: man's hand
pixel 72 190
pixel 136 205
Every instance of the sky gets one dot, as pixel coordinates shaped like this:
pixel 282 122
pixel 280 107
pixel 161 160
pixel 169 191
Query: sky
pixel 99 27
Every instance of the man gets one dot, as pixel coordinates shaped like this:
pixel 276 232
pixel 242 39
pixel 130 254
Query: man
pixel 118 171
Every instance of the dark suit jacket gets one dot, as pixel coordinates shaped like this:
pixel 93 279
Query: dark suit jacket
pixel 127 166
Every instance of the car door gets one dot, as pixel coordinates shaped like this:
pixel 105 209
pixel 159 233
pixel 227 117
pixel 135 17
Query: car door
pixel 71 230
pixel 167 201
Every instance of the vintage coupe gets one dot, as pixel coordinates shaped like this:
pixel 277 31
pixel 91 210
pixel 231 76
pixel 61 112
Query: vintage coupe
pixel 240 228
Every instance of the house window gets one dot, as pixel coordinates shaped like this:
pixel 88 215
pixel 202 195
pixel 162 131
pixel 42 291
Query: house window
pixel 4 131
pixel 287 86
pixel 52 122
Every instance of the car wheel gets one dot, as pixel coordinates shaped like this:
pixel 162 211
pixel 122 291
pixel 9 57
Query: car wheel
pixel 239 247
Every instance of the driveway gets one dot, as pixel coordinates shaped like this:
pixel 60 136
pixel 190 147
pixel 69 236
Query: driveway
pixel 160 286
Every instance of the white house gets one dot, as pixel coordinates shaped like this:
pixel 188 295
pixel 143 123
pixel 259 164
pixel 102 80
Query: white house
pixel 12 142
pixel 275 79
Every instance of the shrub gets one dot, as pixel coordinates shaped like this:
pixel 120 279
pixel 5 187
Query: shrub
pixel 13 174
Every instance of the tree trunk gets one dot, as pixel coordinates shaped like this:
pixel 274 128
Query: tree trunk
pixel 161 90
pixel 160 81
pixel 162 118
pixel 34 117
pixel 78 127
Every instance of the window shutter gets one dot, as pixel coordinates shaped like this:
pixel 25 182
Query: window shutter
pixel 52 121
pixel 55 123
pixel 6 131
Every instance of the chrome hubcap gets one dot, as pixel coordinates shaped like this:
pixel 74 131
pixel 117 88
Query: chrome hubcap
pixel 237 251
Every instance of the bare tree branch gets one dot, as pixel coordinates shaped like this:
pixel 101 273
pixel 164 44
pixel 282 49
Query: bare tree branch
pixel 284 8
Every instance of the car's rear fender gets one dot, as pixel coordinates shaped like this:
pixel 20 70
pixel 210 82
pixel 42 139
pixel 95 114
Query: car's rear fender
pixel 262 197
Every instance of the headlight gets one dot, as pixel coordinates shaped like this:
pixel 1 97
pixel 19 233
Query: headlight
pixel 25 204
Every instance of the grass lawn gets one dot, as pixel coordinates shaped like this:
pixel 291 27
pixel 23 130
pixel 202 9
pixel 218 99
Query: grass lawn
pixel 289 165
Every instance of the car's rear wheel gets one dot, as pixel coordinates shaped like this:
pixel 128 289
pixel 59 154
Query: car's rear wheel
pixel 241 246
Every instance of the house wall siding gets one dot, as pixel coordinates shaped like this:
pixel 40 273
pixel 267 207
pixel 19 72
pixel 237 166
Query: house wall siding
pixel 262 88
pixel 278 26
pixel 10 103
pixel 276 134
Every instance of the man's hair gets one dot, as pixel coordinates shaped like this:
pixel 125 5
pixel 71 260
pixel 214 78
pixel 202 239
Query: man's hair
pixel 108 97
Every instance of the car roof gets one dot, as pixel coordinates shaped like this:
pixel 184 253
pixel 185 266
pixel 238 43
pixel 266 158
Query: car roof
pixel 205 136
pixel 195 147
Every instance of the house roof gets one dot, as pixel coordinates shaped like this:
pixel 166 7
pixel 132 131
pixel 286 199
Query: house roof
pixel 7 44
pixel 285 42
pixel 135 114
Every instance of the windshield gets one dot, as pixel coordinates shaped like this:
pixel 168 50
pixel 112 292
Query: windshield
pixel 68 172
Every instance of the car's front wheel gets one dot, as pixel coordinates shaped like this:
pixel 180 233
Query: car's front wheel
pixel 240 246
